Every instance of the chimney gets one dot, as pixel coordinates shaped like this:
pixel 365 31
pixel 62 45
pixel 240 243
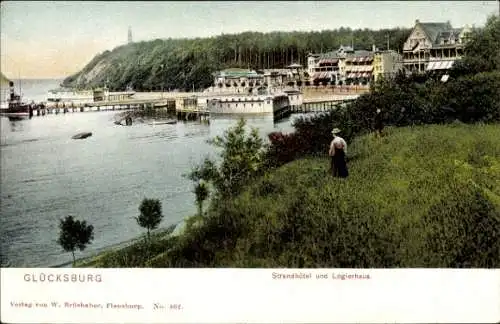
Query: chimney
pixel 417 21
pixel 12 93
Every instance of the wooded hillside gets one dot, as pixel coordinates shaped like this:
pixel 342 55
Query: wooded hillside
pixel 184 63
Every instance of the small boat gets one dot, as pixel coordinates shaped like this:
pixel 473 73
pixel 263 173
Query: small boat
pixel 164 122
pixel 82 135
pixel 15 108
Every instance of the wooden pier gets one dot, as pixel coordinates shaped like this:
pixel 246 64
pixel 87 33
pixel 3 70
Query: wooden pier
pixel 312 106
pixel 322 105
pixel 200 113
pixel 186 108
pixel 130 104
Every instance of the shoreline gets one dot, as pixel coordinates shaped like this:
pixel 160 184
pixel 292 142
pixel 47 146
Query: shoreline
pixel 170 230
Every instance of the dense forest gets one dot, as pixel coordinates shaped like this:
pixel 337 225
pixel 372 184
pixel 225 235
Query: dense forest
pixel 187 63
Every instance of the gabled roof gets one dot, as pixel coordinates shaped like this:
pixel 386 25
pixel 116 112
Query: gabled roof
pixel 457 31
pixel 346 48
pixel 360 53
pixel 327 55
pixel 432 30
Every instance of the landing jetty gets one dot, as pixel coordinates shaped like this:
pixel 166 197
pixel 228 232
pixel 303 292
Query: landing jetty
pixel 200 105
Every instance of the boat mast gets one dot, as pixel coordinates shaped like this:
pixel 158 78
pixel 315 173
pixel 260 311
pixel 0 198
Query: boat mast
pixel 20 89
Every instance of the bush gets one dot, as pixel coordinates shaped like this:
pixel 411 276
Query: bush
pixel 136 255
pixel 283 148
pixel 463 230
pixel 405 102
pixel 242 157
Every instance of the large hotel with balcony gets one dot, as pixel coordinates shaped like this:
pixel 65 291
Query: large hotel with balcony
pixel 347 66
pixel 430 47
pixel 433 47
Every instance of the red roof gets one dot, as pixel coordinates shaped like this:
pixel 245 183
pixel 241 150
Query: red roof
pixel 320 75
pixel 328 61
pixel 359 59
pixel 359 75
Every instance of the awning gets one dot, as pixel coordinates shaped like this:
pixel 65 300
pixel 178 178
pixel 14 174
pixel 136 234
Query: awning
pixel 321 75
pixel 359 68
pixel 328 61
pixel 359 59
pixel 439 65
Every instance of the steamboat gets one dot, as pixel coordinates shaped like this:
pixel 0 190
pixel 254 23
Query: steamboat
pixel 15 108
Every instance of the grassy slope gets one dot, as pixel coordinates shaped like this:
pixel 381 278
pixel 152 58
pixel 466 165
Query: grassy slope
pixel 393 183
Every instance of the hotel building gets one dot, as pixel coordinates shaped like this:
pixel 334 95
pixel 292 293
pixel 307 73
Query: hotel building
pixel 433 46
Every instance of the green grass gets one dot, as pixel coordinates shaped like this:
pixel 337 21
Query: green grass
pixel 134 254
pixel 426 196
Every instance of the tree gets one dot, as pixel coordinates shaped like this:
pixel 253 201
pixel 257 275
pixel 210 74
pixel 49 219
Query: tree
pixel 180 63
pixel 201 192
pixel 74 234
pixel 242 157
pixel 481 50
pixel 150 215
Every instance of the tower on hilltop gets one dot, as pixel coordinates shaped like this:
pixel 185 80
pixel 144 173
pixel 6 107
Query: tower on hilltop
pixel 129 35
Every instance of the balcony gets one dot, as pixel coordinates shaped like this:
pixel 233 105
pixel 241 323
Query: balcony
pixel 416 60
pixel 443 58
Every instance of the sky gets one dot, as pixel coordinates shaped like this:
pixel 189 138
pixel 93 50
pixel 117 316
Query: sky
pixel 54 39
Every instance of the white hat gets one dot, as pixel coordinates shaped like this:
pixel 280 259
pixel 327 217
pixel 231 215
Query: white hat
pixel 335 131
